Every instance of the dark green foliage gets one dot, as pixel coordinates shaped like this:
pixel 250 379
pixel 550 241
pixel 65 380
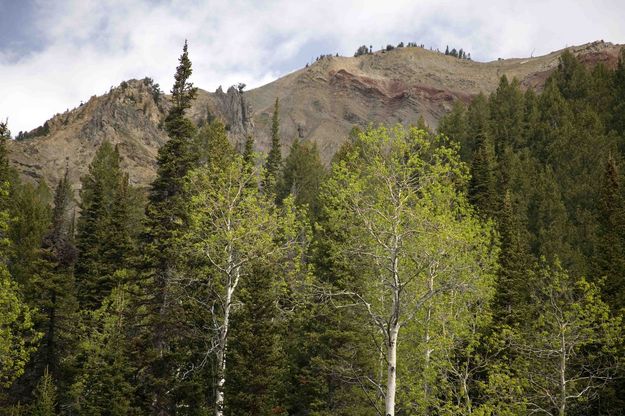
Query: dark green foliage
pixel 454 126
pixel 45 397
pixel 30 213
pixel 550 152
pixel 571 77
pixel 248 150
pixel 546 169
pixel 617 107
pixel 511 293
pixel 166 217
pixel 506 115
pixel 105 229
pixel 483 184
pixel 610 258
pixel 302 175
pixel 460 54
pixel 255 355
pixel 183 92
pixel 5 170
pixel 362 50
pixel 326 344
pixel 51 290
pixel 39 131
pixel 211 145
pixel 105 384
pixel 274 158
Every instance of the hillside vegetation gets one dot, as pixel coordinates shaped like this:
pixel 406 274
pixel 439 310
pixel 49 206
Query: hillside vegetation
pixel 478 269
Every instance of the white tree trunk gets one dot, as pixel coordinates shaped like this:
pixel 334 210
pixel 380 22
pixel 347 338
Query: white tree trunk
pixel 391 384
pixel 562 409
pixel 223 347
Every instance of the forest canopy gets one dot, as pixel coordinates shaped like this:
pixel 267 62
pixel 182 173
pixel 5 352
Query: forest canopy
pixel 479 269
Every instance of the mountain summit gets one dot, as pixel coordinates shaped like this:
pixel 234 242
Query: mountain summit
pixel 321 103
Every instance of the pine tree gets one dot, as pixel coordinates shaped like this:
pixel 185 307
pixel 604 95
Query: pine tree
pixel 255 353
pixel 455 126
pixel 302 175
pixel 183 92
pixel 6 173
pixel 477 120
pixel 610 261
pixel 211 145
pixel 482 190
pixel 248 150
pixel 506 115
pixel 571 77
pixel 617 119
pixel 17 335
pixel 274 158
pixel 511 294
pixel 45 397
pixel 30 213
pixel 166 216
pixel 52 291
pixel 105 384
pixel 103 241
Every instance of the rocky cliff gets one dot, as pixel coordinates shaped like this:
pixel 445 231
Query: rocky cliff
pixel 320 103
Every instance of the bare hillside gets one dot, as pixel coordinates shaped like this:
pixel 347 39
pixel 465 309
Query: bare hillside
pixel 320 103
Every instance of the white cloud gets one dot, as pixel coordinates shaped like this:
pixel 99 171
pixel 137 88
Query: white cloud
pixel 89 45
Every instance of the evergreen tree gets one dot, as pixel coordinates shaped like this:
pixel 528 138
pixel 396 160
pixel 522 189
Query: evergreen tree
pixel 52 291
pixel 617 119
pixel 477 124
pixel 248 150
pixel 104 240
pixel 105 384
pixel 302 175
pixel 17 336
pixel 506 115
pixel 45 397
pixel 6 173
pixel 166 216
pixel 610 261
pixel 255 353
pixel 483 184
pixel 30 221
pixel 211 145
pixel 454 126
pixel 325 343
pixel 511 294
pixel 572 77
pixel 274 158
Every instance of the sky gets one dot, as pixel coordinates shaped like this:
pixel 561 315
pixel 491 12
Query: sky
pixel 56 53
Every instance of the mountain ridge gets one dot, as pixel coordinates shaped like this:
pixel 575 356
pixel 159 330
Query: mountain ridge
pixel 320 103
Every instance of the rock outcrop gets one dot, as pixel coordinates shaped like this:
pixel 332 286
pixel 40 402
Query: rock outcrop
pixel 320 103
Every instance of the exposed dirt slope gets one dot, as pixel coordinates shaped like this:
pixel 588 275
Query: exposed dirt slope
pixel 320 103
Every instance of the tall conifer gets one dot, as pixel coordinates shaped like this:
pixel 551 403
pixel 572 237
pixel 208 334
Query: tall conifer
pixel 103 227
pixel 166 216
pixel 274 158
